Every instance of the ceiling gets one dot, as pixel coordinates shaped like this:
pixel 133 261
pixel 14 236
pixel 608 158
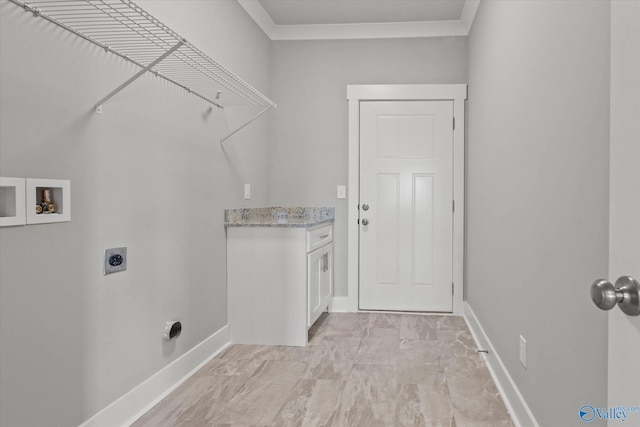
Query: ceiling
pixel 306 12
pixel 357 19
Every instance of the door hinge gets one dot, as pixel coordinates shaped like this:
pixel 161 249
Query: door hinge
pixel 454 123
pixel 453 287
pixel 454 206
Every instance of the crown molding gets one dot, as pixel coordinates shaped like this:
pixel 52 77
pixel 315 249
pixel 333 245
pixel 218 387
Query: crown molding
pixel 382 30
pixel 386 30
pixel 468 13
pixel 260 16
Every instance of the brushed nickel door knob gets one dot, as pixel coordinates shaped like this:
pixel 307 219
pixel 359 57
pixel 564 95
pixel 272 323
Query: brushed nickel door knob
pixel 603 294
pixel 625 293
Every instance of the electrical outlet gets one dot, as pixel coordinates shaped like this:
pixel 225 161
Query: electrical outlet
pixel 523 351
pixel 115 259
pixel 247 191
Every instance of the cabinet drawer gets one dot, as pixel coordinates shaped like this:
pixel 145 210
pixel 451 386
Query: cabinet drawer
pixel 318 237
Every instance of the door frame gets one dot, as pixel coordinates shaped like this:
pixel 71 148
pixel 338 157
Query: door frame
pixel 421 92
pixel 623 346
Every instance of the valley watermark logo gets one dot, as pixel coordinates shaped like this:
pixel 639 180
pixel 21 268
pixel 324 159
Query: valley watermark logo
pixel 589 413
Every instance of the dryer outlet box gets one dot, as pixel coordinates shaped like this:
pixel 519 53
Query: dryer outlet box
pixel 115 259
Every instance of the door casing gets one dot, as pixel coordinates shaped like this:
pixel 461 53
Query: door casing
pixel 624 203
pixel 427 92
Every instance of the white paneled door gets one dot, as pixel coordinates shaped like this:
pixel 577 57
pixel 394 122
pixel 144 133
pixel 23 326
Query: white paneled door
pixel 406 205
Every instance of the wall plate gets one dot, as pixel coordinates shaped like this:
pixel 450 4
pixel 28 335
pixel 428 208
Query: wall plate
pixel 61 192
pixel 115 259
pixel 523 351
pixel 12 201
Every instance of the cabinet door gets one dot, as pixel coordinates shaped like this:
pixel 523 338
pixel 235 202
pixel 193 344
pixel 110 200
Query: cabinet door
pixel 320 281
pixel 326 280
pixel 315 267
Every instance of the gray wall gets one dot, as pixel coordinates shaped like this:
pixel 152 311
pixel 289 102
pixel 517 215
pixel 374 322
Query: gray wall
pixel 147 174
pixel 537 195
pixel 309 129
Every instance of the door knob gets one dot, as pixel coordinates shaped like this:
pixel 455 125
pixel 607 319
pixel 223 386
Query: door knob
pixel 365 207
pixel 626 293
pixel 365 221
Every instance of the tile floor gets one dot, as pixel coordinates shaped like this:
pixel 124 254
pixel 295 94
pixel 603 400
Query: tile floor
pixel 359 369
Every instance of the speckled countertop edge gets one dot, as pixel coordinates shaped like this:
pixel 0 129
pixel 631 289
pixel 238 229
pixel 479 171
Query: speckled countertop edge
pixel 277 216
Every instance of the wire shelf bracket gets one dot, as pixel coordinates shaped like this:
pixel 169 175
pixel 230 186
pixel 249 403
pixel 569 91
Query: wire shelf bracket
pixel 138 74
pixel 239 128
pixel 124 29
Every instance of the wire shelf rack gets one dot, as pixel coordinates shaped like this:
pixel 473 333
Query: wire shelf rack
pixel 125 29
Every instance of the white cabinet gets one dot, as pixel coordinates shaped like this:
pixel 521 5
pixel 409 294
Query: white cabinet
pixel 319 282
pixel 279 280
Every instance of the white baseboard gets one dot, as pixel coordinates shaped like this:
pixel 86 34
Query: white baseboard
pixel 340 305
pixel 128 408
pixel 516 405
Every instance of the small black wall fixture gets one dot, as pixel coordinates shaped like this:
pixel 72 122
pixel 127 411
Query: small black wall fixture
pixel 172 330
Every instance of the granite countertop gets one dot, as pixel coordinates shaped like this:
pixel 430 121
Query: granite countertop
pixel 278 217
